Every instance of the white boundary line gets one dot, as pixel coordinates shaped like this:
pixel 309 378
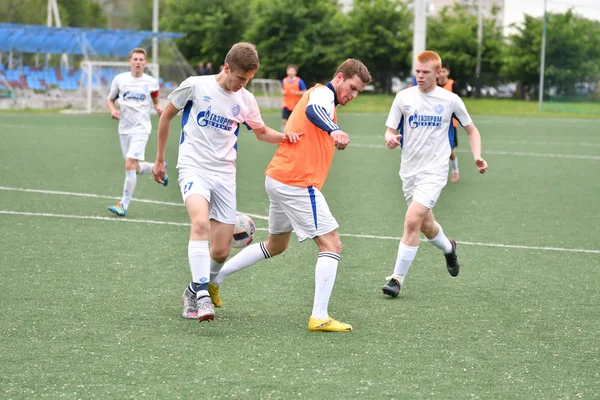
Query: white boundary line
pixel 97 196
pixel 502 153
pixel 146 221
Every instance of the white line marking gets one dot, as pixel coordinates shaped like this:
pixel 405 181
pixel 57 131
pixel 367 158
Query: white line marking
pixel 146 221
pixel 96 196
pixel 503 153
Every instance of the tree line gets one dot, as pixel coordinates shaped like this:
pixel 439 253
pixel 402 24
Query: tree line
pixel 316 35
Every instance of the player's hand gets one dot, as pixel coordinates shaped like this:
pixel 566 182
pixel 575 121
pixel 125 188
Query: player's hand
pixel 481 165
pixel 159 171
pixel 392 140
pixel 115 115
pixel 159 110
pixel 341 139
pixel 292 137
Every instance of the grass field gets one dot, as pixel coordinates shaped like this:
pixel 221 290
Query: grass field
pixel 90 302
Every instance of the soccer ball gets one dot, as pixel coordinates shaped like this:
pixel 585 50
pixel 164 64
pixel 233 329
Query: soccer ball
pixel 243 231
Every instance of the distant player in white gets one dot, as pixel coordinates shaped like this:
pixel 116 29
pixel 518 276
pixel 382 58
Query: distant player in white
pixel 136 93
pixel 419 121
pixel 214 107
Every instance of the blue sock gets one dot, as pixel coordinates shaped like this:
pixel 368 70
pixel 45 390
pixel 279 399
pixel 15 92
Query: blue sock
pixel 196 287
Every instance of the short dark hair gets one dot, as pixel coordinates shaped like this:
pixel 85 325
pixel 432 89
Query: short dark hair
pixel 446 66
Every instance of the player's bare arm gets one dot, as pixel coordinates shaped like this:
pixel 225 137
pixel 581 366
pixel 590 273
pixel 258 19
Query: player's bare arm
pixel 270 135
pixel 156 102
pixel 392 138
pixel 114 113
pixel 159 169
pixel 475 142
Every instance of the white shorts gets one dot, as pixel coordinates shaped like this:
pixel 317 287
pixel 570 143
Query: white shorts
pixel 133 145
pixel 303 210
pixel 217 190
pixel 424 188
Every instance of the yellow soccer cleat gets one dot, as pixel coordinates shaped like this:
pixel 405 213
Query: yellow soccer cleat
pixel 328 325
pixel 213 291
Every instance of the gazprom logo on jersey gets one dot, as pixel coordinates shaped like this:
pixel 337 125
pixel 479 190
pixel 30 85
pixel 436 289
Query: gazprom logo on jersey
pixel 206 118
pixel 417 120
pixel 134 96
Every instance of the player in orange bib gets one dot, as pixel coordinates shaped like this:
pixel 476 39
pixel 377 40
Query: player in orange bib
pixel 292 89
pixel 445 82
pixel 293 182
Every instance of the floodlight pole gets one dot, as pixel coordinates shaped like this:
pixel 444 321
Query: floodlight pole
pixel 543 60
pixel 479 47
pixel 154 38
pixel 419 31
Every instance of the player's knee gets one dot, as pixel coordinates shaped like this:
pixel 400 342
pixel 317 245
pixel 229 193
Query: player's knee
pixel 412 225
pixel 200 228
pixel 219 254
pixel 131 164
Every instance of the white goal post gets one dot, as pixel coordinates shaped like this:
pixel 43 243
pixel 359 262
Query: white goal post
pixel 94 87
pixel 267 92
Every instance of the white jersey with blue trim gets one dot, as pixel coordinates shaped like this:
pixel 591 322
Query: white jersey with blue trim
pixel 424 120
pixel 210 123
pixel 135 102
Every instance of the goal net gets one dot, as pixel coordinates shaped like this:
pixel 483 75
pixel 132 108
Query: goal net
pixel 96 78
pixel 267 92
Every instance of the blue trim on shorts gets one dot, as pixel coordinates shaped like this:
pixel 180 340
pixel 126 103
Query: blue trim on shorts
pixel 313 203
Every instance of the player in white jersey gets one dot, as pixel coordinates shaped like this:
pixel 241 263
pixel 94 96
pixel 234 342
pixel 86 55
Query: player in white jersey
pixel 214 107
pixel 136 93
pixel 419 121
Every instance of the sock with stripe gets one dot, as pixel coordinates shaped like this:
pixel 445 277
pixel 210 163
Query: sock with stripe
pixel 325 272
pixel 199 259
pixel 245 258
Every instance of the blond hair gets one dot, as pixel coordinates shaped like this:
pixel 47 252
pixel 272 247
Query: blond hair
pixel 138 50
pixel 352 67
pixel 429 56
pixel 243 56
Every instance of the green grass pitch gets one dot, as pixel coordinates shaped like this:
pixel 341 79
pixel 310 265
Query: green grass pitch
pixel 91 303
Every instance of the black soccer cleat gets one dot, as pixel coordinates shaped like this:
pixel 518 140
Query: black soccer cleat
pixel 452 263
pixel 392 288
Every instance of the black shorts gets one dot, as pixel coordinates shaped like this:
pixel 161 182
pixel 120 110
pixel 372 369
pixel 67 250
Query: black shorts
pixel 455 144
pixel 285 113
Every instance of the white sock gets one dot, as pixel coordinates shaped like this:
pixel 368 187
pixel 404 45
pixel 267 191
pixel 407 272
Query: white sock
pixel 406 255
pixel 441 241
pixel 245 258
pixel 199 259
pixel 454 164
pixel 145 167
pixel 215 267
pixel 128 187
pixel 325 272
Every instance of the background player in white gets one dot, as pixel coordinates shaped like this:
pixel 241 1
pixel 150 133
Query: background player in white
pixel 136 93
pixel 419 120
pixel 213 107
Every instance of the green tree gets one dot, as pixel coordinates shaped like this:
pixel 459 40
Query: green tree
pixel 80 13
pixel 378 33
pixel 453 35
pixel 20 11
pixel 572 52
pixel 211 27
pixel 302 32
